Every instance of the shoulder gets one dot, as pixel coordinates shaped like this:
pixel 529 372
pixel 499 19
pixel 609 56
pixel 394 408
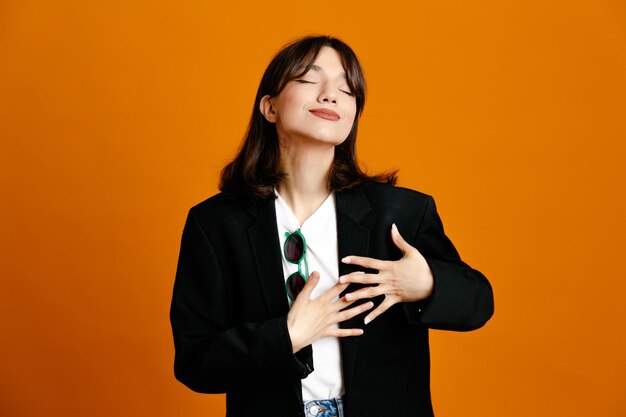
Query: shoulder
pixel 214 204
pixel 390 195
pixel 221 208
pixel 384 204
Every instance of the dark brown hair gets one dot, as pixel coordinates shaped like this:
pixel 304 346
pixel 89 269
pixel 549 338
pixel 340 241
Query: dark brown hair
pixel 255 170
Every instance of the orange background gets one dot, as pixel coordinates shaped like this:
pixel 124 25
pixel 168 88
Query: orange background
pixel 116 117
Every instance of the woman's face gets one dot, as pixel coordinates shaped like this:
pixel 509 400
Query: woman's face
pixel 317 106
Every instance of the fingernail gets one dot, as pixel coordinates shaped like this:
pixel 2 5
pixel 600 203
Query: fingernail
pixel 346 260
pixel 367 320
pixel 395 228
pixel 348 297
pixel 343 280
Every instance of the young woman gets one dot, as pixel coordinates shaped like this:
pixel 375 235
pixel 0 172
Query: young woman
pixel 307 287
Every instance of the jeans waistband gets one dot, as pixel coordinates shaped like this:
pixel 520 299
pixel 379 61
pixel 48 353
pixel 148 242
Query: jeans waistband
pixel 324 408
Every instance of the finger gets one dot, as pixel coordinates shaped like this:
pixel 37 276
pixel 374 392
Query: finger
pixel 354 311
pixel 368 292
pixel 310 285
pixel 333 292
pixel 344 332
pixel 342 303
pixel 384 306
pixel 399 241
pixel 360 278
pixel 371 263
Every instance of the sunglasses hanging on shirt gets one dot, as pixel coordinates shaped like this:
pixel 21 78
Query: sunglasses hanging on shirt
pixel 295 252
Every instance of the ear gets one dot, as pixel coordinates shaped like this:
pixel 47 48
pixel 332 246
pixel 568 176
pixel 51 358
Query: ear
pixel 267 109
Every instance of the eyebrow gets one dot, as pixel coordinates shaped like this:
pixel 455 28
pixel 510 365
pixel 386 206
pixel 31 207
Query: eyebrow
pixel 318 69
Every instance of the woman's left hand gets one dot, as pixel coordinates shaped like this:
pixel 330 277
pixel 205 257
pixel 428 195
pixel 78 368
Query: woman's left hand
pixel 405 280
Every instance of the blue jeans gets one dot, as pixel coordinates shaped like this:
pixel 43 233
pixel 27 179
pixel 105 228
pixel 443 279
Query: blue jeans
pixel 323 408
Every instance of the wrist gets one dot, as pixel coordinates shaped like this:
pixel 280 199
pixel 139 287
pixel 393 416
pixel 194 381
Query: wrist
pixel 296 344
pixel 423 283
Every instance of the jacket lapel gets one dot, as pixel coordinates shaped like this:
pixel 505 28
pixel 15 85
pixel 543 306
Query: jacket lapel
pixel 353 239
pixel 265 247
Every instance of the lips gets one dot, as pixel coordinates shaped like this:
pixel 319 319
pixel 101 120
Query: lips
pixel 325 114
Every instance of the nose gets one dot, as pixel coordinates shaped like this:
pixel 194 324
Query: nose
pixel 327 94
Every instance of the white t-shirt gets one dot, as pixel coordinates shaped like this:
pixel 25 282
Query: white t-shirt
pixel 320 233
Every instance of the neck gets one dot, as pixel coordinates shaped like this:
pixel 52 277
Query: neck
pixel 307 166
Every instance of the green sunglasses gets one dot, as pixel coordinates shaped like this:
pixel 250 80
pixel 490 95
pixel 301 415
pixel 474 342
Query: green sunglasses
pixel 294 251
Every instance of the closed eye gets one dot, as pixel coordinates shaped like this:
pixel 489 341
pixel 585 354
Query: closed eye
pixel 311 82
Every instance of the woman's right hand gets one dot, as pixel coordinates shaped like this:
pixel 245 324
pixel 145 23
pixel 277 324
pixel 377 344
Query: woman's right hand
pixel 311 319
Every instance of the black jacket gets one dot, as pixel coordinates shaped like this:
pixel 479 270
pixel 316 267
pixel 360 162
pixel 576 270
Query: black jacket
pixel 229 306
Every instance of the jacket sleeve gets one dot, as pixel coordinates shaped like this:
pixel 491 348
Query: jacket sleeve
pixel 462 298
pixel 212 354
